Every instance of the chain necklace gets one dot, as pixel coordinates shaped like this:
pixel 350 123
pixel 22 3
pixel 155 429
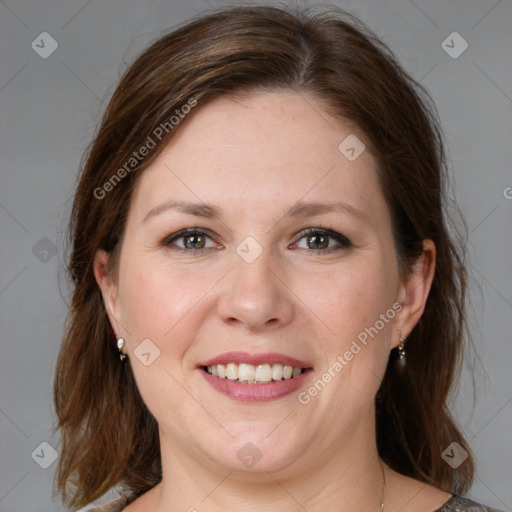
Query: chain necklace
pixel 383 487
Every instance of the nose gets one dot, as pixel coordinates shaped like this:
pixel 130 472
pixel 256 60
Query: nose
pixel 256 296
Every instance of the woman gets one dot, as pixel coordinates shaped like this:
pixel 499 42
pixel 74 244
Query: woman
pixel 268 309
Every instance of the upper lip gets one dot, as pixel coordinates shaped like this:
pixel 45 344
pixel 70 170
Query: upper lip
pixel 255 359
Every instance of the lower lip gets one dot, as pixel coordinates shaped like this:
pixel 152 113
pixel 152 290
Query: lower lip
pixel 256 392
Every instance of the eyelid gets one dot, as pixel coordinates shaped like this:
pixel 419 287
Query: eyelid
pixel 186 232
pixel 342 240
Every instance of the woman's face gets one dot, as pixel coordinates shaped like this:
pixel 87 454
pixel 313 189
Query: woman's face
pixel 288 261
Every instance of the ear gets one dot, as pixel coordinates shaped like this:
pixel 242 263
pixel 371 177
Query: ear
pixel 413 292
pixel 108 289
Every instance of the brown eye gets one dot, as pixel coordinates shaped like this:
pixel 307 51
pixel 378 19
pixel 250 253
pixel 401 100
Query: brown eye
pixel 317 241
pixel 194 241
pixel 190 240
pixel 322 240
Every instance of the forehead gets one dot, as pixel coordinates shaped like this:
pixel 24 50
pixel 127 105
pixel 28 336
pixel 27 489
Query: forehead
pixel 278 147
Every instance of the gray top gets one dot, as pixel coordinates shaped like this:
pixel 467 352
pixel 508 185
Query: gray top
pixel 454 504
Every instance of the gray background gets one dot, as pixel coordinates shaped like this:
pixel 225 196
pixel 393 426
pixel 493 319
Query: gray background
pixel 49 110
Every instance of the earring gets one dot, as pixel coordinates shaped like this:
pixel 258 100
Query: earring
pixel 120 345
pixel 402 360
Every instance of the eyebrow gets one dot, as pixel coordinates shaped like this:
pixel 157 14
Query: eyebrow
pixel 198 209
pixel 300 209
pixel 309 209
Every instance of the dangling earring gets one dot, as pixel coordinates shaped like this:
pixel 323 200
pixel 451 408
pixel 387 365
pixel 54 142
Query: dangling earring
pixel 120 345
pixel 402 360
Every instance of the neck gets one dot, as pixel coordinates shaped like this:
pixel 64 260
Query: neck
pixel 348 476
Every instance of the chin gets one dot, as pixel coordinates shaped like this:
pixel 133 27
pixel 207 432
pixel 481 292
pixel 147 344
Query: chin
pixel 255 450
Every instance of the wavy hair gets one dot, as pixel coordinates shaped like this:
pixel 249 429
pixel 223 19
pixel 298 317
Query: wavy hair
pixel 109 438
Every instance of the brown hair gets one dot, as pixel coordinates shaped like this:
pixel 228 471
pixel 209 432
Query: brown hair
pixel 109 437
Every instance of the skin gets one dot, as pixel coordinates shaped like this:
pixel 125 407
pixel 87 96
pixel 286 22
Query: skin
pixel 254 160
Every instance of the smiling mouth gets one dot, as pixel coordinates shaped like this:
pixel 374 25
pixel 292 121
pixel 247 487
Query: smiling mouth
pixel 254 374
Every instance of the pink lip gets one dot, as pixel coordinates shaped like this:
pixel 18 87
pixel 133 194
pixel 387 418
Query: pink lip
pixel 256 392
pixel 245 357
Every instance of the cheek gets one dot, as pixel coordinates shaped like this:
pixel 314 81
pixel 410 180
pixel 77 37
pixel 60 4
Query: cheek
pixel 163 303
pixel 146 302
pixel 351 300
pixel 356 305
pixel 160 305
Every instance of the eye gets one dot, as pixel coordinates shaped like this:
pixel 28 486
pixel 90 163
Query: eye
pixel 190 240
pixel 322 240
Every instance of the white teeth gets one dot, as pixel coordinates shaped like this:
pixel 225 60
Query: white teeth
pixel 277 371
pixel 246 372
pixel 232 371
pixel 250 374
pixel 263 373
pixel 296 372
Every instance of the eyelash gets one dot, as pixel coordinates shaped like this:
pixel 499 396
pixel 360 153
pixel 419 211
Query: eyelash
pixel 185 233
pixel 342 240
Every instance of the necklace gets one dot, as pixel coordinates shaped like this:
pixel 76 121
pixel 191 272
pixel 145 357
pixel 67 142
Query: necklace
pixel 383 487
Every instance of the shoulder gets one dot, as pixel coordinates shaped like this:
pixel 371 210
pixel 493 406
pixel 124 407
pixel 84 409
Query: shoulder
pixel 461 504
pixel 113 506
pixel 454 504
